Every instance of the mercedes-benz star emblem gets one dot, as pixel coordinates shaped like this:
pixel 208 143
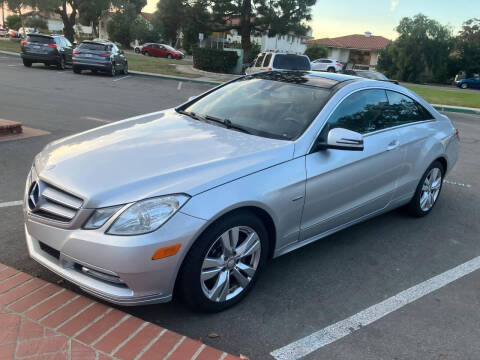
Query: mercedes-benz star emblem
pixel 33 196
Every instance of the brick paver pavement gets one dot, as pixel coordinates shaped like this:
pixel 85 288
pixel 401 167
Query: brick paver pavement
pixel 43 321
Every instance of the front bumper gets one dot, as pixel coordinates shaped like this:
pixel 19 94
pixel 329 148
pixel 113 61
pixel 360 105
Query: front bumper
pixel 139 280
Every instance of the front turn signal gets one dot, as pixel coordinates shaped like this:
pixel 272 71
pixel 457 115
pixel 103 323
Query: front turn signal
pixel 166 252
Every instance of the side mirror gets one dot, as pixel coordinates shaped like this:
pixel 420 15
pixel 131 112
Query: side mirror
pixel 343 139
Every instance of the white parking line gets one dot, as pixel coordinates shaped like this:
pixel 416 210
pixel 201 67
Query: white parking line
pixel 122 78
pixel 365 317
pixel 179 87
pixel 97 119
pixel 11 203
pixel 457 183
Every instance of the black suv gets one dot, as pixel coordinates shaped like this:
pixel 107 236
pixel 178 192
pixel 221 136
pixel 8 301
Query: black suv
pixel 47 49
pixel 99 55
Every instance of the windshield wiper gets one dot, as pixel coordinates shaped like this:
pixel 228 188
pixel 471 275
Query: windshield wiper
pixel 190 114
pixel 228 124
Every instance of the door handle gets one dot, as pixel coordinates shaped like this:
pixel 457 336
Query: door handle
pixel 393 145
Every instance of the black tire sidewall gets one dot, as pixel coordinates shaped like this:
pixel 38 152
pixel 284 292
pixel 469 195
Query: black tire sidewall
pixel 414 205
pixel 61 63
pixel 189 281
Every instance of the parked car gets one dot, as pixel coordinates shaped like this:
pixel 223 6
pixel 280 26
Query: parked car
pixel 271 61
pixel 46 49
pixel 161 50
pixel 473 82
pixel 26 31
pixel 13 33
pixel 99 55
pixel 138 48
pixel 329 65
pixel 199 197
pixel 3 32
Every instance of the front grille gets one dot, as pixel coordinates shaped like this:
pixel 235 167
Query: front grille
pixel 53 203
pixel 49 250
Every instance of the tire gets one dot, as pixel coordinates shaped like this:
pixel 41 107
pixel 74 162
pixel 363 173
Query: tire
pixel 331 70
pixel 77 70
pixel 194 290
pixel 146 53
pixel 125 69
pixel 61 63
pixel 113 71
pixel 27 63
pixel 137 51
pixel 94 71
pixel 464 86
pixel 415 207
pixel 169 56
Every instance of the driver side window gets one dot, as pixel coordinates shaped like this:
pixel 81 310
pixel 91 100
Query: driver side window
pixel 360 112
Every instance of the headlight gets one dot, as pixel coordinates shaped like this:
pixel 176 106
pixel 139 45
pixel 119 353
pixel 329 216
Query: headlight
pixel 100 217
pixel 147 215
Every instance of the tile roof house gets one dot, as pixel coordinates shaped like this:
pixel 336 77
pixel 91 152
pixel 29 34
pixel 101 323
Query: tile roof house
pixel 358 49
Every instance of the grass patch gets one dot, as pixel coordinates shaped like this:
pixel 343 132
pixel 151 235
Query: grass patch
pixel 9 45
pixel 448 97
pixel 135 62
pixel 157 65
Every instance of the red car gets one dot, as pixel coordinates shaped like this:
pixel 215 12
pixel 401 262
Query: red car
pixel 162 50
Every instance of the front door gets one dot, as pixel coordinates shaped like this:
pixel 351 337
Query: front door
pixel 343 186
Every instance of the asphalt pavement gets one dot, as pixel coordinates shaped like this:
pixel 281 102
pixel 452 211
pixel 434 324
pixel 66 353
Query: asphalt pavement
pixel 300 293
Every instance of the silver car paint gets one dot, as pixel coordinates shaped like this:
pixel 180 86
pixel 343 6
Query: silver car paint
pixel 306 195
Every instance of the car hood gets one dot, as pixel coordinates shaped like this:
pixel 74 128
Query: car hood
pixel 152 155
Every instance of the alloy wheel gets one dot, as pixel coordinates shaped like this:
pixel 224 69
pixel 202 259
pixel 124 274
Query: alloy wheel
pixel 230 264
pixel 430 189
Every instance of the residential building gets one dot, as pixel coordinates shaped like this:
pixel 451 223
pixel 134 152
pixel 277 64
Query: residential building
pixel 361 50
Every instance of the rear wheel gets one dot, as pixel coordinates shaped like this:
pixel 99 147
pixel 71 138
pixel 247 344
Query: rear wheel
pixel 428 190
pixel 331 70
pixel 77 70
pixel 61 63
pixel 137 50
pixel 224 263
pixel 464 86
pixel 27 63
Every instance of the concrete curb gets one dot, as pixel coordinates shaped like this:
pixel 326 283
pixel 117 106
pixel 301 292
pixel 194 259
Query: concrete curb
pixel 140 73
pixel 40 320
pixel 458 109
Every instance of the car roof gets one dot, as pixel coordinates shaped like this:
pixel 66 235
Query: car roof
pixel 99 42
pixel 309 78
pixel 44 35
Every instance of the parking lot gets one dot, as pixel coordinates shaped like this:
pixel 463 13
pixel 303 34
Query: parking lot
pixel 299 294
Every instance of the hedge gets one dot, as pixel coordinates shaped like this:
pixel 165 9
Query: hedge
pixel 214 60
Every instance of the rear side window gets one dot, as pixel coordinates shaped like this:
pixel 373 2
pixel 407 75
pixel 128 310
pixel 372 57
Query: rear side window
pixel 266 62
pixel 39 39
pixel 291 62
pixel 403 110
pixel 93 46
pixel 360 112
pixel 259 61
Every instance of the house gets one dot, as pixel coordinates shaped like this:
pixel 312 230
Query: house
pixel 55 23
pixel 357 49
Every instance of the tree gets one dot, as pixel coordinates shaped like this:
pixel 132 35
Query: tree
pixel 420 53
pixel 197 20
pixel 91 11
pixel 16 6
pixel 14 22
pixel 274 17
pixel 468 47
pixel 67 9
pixel 168 14
pixel 36 22
pixel 125 24
pixel 316 51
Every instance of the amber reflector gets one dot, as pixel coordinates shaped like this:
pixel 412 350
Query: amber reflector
pixel 166 252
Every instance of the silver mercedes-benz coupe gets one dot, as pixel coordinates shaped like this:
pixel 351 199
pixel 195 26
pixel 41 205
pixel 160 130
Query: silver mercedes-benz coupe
pixel 199 197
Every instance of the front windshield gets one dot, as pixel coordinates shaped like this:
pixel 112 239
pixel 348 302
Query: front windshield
pixel 266 108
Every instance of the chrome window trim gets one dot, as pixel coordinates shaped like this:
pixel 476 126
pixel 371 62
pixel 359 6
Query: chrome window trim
pixel 373 132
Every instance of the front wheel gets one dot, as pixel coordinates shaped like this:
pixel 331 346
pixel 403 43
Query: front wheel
pixel 428 190
pixel 146 53
pixel 113 71
pixel 464 86
pixel 331 70
pixel 125 69
pixel 224 263
pixel 61 63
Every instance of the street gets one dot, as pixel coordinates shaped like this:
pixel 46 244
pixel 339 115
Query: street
pixel 302 292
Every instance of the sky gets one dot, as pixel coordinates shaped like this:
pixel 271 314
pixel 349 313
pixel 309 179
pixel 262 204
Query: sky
pixel 333 18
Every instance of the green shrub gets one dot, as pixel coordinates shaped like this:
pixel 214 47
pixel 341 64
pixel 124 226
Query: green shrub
pixel 14 22
pixel 316 51
pixel 214 60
